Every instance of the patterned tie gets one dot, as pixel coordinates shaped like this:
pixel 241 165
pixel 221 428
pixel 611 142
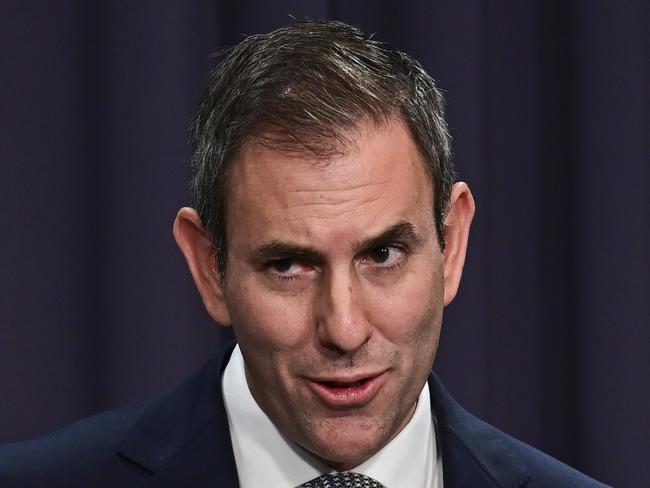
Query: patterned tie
pixel 346 479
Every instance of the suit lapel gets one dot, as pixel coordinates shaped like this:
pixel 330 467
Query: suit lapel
pixel 473 452
pixel 183 439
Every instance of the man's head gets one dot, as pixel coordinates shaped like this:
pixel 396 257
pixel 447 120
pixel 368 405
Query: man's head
pixel 333 198
pixel 303 87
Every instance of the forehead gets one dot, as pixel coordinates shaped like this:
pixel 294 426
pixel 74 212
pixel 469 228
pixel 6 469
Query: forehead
pixel 378 178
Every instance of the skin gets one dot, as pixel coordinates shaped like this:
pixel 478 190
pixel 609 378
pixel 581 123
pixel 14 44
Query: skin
pixel 334 270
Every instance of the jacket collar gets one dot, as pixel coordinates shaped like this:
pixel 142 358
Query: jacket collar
pixel 473 453
pixel 183 438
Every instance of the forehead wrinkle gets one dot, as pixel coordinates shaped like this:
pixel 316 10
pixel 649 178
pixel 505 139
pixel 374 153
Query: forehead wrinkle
pixel 339 204
pixel 320 189
pixel 305 197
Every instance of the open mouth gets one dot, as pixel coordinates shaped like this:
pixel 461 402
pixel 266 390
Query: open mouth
pixel 348 394
pixel 340 384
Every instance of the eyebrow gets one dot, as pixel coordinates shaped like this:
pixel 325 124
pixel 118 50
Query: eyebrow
pixel 277 250
pixel 403 231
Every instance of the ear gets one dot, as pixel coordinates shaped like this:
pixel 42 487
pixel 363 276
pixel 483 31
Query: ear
pixel 200 255
pixel 457 224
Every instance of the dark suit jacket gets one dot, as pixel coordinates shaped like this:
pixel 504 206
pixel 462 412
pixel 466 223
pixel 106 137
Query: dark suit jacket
pixel 182 439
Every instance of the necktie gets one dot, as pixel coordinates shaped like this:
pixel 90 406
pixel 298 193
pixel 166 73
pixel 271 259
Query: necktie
pixel 346 479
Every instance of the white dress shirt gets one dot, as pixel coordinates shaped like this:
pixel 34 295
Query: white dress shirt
pixel 265 457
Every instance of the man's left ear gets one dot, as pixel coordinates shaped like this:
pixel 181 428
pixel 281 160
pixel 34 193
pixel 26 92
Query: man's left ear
pixel 457 224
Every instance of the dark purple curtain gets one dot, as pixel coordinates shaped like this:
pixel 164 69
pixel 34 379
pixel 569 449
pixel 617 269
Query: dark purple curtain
pixel 548 105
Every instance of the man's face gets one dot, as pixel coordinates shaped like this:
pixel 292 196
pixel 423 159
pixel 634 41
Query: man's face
pixel 335 286
pixel 335 289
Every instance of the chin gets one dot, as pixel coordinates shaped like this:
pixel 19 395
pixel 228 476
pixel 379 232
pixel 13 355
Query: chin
pixel 348 448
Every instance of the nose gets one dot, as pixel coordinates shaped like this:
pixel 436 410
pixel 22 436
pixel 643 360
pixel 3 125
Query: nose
pixel 340 317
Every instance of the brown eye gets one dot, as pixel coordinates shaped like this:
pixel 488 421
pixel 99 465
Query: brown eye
pixel 282 265
pixel 380 255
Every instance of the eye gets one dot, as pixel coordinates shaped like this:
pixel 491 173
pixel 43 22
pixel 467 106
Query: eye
pixel 385 257
pixel 282 265
pixel 380 255
pixel 287 269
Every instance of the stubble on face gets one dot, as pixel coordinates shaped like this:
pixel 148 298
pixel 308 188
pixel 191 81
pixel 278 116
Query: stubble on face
pixel 345 448
pixel 291 332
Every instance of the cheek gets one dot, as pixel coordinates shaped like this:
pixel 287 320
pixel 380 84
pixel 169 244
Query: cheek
pixel 412 311
pixel 265 319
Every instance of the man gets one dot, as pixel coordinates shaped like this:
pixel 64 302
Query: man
pixel 328 232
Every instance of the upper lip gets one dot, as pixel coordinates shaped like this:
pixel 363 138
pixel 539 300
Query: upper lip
pixel 345 379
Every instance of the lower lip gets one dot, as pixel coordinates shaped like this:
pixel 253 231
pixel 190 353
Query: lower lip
pixel 348 397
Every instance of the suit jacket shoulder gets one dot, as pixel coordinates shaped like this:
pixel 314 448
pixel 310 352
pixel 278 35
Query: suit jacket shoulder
pixel 475 453
pixel 180 439
pixel 77 455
